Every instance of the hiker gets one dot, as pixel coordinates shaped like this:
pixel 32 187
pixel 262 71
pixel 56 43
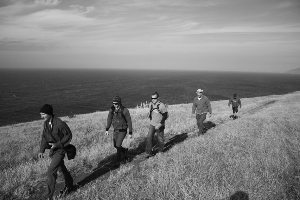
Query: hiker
pixel 56 135
pixel 120 118
pixel 201 106
pixel 235 102
pixel 157 114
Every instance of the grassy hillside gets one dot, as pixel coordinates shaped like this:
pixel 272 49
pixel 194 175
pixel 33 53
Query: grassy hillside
pixel 257 155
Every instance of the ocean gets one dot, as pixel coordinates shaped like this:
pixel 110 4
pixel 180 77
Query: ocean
pixel 72 92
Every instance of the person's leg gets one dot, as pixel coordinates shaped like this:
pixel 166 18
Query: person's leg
pixel 68 180
pixel 56 160
pixel 200 120
pixel 118 140
pixel 149 140
pixel 160 138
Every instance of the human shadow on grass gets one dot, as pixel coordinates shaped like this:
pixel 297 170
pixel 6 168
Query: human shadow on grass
pixel 239 195
pixel 208 125
pixel 111 162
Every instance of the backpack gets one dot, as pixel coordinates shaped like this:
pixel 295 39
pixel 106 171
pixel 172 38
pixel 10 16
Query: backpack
pixel 151 109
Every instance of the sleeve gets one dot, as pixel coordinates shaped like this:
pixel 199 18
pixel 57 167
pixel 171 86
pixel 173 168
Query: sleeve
pixel 193 107
pixel 164 112
pixel 109 119
pixel 66 135
pixel 209 106
pixel 128 120
pixel 229 102
pixel 44 144
pixel 240 103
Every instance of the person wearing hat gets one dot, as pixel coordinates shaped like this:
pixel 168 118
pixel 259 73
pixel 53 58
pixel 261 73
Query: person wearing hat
pixel 56 135
pixel 201 106
pixel 119 117
pixel 158 114
pixel 235 102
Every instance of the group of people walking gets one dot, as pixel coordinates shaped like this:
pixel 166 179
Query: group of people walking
pixel 57 135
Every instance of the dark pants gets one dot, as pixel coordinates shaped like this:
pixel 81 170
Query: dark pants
pixel 160 138
pixel 200 119
pixel 118 138
pixel 57 163
pixel 234 110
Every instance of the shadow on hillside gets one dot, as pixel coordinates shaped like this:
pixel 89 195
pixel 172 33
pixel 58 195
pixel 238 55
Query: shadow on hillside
pixel 239 195
pixel 175 140
pixel 111 163
pixel 208 125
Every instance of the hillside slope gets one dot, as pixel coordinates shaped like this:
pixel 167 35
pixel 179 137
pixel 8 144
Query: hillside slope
pixel 257 155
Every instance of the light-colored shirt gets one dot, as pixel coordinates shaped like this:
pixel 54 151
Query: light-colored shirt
pixel 157 110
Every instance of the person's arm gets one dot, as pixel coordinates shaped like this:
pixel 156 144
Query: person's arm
pixel 229 102
pixel 240 103
pixel 164 113
pixel 209 106
pixel 43 145
pixel 128 120
pixel 194 107
pixel 109 119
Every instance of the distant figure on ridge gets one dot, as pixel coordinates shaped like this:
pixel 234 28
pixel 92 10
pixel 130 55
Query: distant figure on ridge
pixel 157 114
pixel 56 136
pixel 235 102
pixel 201 106
pixel 120 118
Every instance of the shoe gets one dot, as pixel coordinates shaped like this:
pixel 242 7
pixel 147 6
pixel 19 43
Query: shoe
pixel 66 191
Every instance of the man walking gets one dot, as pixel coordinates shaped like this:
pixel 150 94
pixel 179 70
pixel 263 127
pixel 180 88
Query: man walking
pixel 120 118
pixel 158 114
pixel 56 135
pixel 201 106
pixel 235 102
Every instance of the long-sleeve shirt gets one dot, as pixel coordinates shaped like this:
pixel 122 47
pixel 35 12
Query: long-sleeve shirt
pixel 235 102
pixel 58 133
pixel 201 106
pixel 120 119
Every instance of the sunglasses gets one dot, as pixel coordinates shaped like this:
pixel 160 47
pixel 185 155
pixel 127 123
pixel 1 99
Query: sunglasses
pixel 153 98
pixel 115 103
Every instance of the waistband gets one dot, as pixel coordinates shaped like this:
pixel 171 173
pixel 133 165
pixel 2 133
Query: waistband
pixel 120 130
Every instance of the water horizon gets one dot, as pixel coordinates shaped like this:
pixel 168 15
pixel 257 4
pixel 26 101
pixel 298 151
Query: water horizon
pixel 79 91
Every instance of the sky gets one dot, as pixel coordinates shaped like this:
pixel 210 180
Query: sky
pixel 211 35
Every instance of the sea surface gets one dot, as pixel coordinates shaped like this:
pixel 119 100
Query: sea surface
pixel 72 92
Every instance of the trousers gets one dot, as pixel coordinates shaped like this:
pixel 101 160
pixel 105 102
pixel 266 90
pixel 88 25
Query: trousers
pixel 200 119
pixel 150 137
pixel 57 163
pixel 118 138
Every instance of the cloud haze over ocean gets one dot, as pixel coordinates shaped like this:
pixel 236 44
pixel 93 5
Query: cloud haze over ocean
pixel 238 35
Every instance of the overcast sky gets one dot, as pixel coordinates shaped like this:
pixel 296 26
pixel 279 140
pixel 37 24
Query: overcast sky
pixel 238 35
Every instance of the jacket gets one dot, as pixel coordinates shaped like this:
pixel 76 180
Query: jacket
pixel 201 106
pixel 120 119
pixel 60 134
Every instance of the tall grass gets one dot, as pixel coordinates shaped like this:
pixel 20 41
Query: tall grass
pixel 258 154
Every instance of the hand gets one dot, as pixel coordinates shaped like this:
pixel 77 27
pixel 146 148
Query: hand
pixel 53 145
pixel 209 115
pixel 41 155
pixel 158 126
pixel 130 136
pixel 106 133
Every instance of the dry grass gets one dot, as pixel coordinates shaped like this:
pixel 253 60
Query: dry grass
pixel 258 154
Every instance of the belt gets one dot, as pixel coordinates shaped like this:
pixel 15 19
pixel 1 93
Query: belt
pixel 121 130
